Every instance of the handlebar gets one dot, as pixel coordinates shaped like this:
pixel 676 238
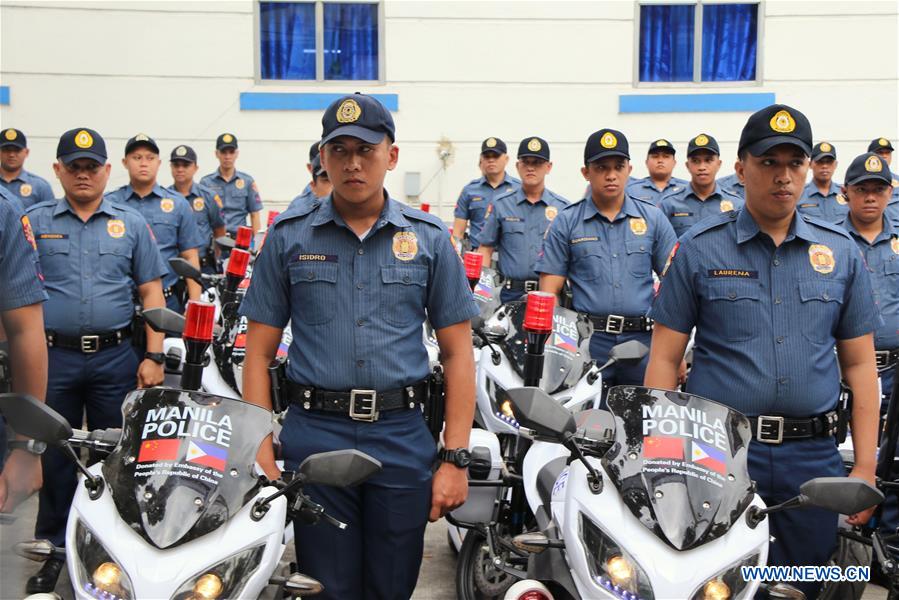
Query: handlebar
pixel 100 440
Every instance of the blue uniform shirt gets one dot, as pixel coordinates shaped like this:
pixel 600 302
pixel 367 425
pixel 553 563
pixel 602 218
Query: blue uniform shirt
pixel 240 197
pixel 29 188
pixel 645 190
pixel 833 207
pixel 90 268
pixel 766 318
pixel 355 307
pixel 171 219
pixel 733 184
pixel 609 264
pixel 684 209
pixel 892 210
pixel 18 260
pixel 882 258
pixel 515 227
pixel 476 196
pixel 207 207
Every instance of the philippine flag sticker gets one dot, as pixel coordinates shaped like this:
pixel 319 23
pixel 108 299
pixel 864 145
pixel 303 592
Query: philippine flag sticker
pixel 208 455
pixel 709 457
pixel 483 291
pixel 564 342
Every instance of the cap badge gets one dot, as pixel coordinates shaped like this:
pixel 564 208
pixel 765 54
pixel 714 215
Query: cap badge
pixel 661 143
pixel 181 151
pixel 141 137
pixel 83 139
pixel 199 204
pixel 25 190
pixel 490 143
pixel 405 245
pixel 227 138
pixel 534 145
pixel 608 140
pixel 349 111
pixel 238 183
pixel 10 134
pixel 550 212
pixel 821 258
pixel 638 226
pixel 825 147
pixel 115 228
pixel 782 122
pixel 873 164
pixel 883 142
pixel 726 205
pixel 701 140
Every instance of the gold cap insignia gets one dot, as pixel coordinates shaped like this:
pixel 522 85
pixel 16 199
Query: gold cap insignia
pixel 701 140
pixel 83 139
pixel 181 151
pixel 608 140
pixel 550 212
pixel 883 142
pixel 25 190
pixel 199 204
pixel 490 143
pixel 661 143
pixel 227 138
pixel 873 164
pixel 534 145
pixel 405 245
pixel 10 134
pixel 726 205
pixel 782 122
pixel 141 137
pixel 821 258
pixel 115 228
pixel 239 183
pixel 638 226
pixel 349 111
pixel 825 147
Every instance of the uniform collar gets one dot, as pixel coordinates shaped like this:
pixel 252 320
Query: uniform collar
pixel 237 175
pixel 157 190
pixel 812 189
pixel 521 198
pixel 483 181
pixel 886 233
pixel 391 213
pixel 692 192
pixel 629 208
pixel 62 205
pixel 647 183
pixel 23 176
pixel 747 228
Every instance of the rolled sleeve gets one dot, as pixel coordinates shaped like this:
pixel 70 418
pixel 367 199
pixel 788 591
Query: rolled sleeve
pixel 859 315
pixel 268 298
pixel 461 210
pixel 675 306
pixel 449 294
pixel 554 256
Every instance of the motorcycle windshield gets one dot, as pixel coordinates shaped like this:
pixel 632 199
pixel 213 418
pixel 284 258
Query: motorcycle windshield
pixel 184 464
pixel 566 356
pixel 679 462
pixel 486 292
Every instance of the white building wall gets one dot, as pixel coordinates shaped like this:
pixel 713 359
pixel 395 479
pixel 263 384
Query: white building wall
pixel 463 71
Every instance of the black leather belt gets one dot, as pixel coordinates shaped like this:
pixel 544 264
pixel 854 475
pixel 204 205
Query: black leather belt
pixel 522 285
pixel 617 324
pixel 90 343
pixel 886 358
pixel 359 405
pixel 772 429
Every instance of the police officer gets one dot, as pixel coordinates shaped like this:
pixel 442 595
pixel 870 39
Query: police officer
pixel 607 246
pixel 883 148
pixel 821 197
pixel 517 221
pixel 703 196
pixel 660 164
pixel 92 251
pixel 476 196
pixel 356 274
pixel 733 184
pixel 319 187
pixel 770 293
pixel 206 204
pixel 27 186
pixel 168 213
pixel 237 189
pixel 310 166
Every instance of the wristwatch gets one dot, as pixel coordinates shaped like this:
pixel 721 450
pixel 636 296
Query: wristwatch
pixel 460 457
pixel 157 357
pixel 31 446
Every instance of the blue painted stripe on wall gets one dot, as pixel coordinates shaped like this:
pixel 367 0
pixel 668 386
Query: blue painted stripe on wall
pixel 662 103
pixel 303 101
pixel 4 94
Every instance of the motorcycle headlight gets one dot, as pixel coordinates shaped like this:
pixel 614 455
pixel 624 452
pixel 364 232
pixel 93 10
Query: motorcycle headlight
pixel 98 573
pixel 729 583
pixel 500 403
pixel 611 567
pixel 223 580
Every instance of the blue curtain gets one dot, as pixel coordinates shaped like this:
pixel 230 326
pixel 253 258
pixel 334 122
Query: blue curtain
pixel 729 40
pixel 666 42
pixel 351 41
pixel 287 40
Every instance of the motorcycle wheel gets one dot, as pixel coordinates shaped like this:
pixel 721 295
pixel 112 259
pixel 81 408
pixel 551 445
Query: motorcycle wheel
pixel 848 552
pixel 476 577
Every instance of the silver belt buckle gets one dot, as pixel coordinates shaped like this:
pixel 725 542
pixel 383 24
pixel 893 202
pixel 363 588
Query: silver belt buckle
pixel 882 357
pixel 615 324
pixel 531 286
pixel 90 343
pixel 764 435
pixel 366 409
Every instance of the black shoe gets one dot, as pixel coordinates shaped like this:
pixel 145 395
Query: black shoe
pixel 44 581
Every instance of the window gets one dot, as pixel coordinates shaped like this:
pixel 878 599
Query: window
pixel 319 41
pixel 723 36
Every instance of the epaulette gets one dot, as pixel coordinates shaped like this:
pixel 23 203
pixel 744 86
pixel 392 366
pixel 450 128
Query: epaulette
pixel 819 222
pixel 712 222
pixel 420 215
pixel 297 211
pixel 41 204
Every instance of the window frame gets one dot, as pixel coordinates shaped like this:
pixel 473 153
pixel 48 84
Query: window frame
pixel 697 46
pixel 319 47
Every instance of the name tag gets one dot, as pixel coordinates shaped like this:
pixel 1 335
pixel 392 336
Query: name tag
pixel 583 239
pixel 53 236
pixel 512 219
pixel 317 258
pixel 738 273
pixel 682 214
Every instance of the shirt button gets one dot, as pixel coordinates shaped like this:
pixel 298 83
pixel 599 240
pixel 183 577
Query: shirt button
pixel 782 380
pixel 360 363
pixel 826 296
pixel 776 262
pixel 407 279
pixel 359 286
pixel 732 295
pixel 360 322
pixel 780 340
pixel 777 300
pixel 618 285
pixel 310 275
pixel 361 251
pixel 85 251
pixel 614 256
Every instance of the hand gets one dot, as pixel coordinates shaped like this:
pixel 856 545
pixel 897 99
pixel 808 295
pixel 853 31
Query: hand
pixel 860 518
pixel 682 373
pixel 449 489
pixel 21 478
pixel 149 374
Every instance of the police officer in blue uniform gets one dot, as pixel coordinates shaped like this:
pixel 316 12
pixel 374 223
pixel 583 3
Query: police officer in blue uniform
pixel 770 293
pixel 703 196
pixel 206 204
pixel 478 194
pixel 733 184
pixel 822 196
pixel 92 251
pixel 517 221
pixel 310 166
pixel 25 185
pixel 356 274
pixel 319 187
pixel 607 246
pixel 238 190
pixel 660 164
pixel 884 149
pixel 170 216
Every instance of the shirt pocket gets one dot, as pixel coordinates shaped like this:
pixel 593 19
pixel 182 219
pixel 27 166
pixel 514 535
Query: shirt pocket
pixel 587 261
pixel 513 241
pixel 821 303
pixel 115 259
pixel 403 293
pixel 54 258
pixel 165 229
pixel 639 258
pixel 735 308
pixel 313 292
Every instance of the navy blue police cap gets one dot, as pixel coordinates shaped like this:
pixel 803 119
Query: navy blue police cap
pixel 866 167
pixel 184 154
pixel 141 140
pixel 775 125
pixel 533 146
pixel 605 142
pixel 703 141
pixel 81 143
pixel 13 137
pixel 359 116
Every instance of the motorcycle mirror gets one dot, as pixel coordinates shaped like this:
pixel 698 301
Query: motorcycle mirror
pixel 36 550
pixel 535 542
pixel 628 352
pixel 32 418
pixel 302 585
pixel 225 242
pixel 184 269
pixel 477 322
pixel 536 410
pixel 339 468
pixel 165 320
pixel 844 495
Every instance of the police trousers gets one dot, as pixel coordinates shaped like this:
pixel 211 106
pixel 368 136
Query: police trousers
pixel 379 555
pixel 601 343
pixel 79 383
